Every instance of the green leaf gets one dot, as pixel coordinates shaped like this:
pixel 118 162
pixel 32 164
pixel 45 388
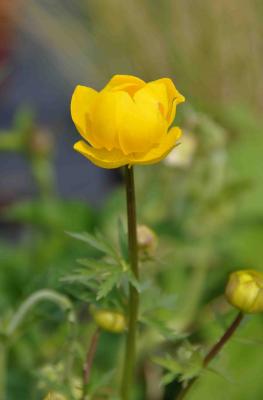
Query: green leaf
pixel 98 242
pixel 133 281
pixel 102 276
pixel 187 363
pixel 95 265
pixel 110 248
pixel 90 239
pixel 107 286
pixel 168 378
pixel 99 276
pixel 169 363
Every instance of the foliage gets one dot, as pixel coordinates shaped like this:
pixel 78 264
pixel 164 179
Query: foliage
pixel 173 323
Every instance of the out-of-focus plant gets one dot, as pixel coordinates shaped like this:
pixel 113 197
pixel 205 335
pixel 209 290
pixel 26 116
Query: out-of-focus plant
pixel 36 144
pixel 10 325
pixel 243 291
pixel 39 226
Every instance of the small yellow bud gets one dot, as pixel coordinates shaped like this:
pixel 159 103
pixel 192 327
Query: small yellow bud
pixel 244 291
pixel 111 321
pixel 147 241
pixel 55 396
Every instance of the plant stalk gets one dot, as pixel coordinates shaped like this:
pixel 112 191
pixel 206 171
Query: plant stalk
pixel 89 361
pixel 130 350
pixel 213 352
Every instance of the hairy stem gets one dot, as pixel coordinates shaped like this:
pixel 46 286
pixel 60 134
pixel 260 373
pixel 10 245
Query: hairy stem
pixel 130 350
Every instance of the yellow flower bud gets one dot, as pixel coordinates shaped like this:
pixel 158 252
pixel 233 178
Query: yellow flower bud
pixel 55 396
pixel 147 241
pixel 111 321
pixel 127 122
pixel 244 291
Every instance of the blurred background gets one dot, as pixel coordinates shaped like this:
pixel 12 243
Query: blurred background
pixel 208 215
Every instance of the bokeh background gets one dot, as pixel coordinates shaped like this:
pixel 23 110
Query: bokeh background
pixel 205 205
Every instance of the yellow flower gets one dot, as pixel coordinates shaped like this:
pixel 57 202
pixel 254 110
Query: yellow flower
pixel 127 122
pixel 111 321
pixel 244 291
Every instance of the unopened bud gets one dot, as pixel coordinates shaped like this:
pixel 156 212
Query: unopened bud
pixel 111 321
pixel 244 291
pixel 147 241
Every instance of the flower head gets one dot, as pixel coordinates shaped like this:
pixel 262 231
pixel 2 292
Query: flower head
pixel 244 290
pixel 127 122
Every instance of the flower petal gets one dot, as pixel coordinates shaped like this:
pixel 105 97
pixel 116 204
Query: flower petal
pixel 107 112
pixel 174 97
pixel 157 90
pixel 81 106
pixel 101 157
pixel 128 83
pixel 159 152
pixel 141 124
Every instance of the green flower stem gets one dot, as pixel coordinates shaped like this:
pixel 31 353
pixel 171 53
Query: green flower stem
pixel 130 351
pixel 226 336
pixel 89 361
pixel 214 351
